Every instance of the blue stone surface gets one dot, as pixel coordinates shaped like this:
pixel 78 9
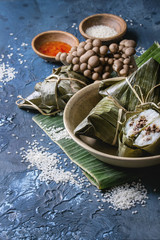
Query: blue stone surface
pixel 31 209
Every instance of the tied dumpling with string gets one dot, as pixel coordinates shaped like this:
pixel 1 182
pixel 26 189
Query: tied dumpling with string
pixel 140 134
pixel 133 90
pixel 102 122
pixel 105 119
pixel 51 95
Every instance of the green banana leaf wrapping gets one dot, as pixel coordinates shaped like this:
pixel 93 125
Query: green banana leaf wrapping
pixel 140 86
pixel 102 122
pixel 143 80
pixel 140 134
pixel 51 95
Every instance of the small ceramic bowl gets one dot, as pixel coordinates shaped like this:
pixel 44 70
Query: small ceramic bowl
pixel 48 36
pixel 77 108
pixel 110 20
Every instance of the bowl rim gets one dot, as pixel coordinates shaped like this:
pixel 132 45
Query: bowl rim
pixel 87 147
pixel 47 32
pixel 119 35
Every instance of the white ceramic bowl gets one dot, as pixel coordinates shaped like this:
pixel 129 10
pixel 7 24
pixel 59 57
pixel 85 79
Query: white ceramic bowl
pixel 76 110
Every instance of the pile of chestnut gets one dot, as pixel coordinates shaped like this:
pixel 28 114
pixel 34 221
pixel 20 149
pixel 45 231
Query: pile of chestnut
pixel 97 61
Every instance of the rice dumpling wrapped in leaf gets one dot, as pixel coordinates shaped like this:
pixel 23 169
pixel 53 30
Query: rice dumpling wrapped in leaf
pixel 140 134
pixel 142 81
pixel 102 122
pixel 51 95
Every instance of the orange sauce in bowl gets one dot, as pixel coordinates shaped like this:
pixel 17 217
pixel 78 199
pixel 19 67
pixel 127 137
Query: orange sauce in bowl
pixel 53 47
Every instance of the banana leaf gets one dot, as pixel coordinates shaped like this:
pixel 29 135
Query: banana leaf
pixel 100 174
pixel 140 134
pixel 142 80
pixel 101 122
pixel 152 52
pixel 51 95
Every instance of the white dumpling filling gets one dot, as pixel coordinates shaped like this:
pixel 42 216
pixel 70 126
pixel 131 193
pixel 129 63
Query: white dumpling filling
pixel 149 135
pixel 134 125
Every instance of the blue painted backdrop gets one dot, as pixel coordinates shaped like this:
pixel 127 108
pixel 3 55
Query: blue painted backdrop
pixel 30 209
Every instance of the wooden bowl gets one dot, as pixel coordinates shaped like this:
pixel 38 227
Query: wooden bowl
pixel 48 36
pixel 76 110
pixel 110 20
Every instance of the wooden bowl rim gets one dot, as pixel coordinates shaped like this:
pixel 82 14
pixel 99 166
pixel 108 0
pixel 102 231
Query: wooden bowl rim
pixel 119 35
pixel 52 32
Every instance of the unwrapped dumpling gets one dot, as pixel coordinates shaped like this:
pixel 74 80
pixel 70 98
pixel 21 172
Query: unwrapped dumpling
pixel 140 134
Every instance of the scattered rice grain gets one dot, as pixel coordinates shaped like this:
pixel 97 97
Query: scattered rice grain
pixel 48 163
pixel 7 73
pixel 126 196
pixel 58 133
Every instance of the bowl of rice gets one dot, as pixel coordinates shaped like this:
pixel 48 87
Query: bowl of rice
pixel 107 27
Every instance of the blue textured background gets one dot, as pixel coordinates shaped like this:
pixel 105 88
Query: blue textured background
pixel 30 209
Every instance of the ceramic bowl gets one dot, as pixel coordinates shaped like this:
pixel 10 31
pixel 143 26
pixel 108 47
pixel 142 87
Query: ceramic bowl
pixel 110 20
pixel 76 110
pixel 59 36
